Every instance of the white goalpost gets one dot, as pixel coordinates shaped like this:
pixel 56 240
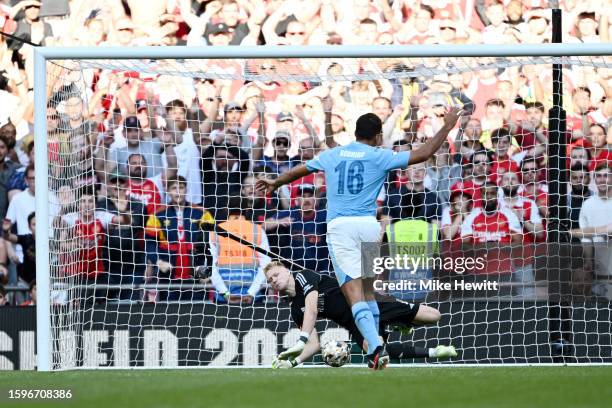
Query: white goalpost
pixel 113 289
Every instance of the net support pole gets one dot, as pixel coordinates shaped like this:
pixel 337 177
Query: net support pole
pixel 557 198
pixel 557 144
pixel 43 304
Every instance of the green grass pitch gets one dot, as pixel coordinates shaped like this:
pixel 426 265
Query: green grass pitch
pixel 494 387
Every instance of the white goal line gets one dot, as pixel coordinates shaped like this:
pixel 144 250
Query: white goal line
pixel 348 366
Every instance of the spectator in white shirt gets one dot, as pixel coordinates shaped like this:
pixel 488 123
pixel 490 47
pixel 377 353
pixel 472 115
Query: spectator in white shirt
pixel 23 204
pixel 494 32
pixel 187 156
pixel 595 222
pixel 20 207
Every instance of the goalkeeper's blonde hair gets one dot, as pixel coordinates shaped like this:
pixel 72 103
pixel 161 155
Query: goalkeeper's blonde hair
pixel 271 265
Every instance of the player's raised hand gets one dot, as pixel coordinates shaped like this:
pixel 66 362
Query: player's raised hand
pixel 265 186
pixel 451 116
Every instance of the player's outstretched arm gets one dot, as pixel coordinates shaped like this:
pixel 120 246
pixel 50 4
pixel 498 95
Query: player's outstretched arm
pixel 312 347
pixel 268 186
pixel 310 318
pixel 424 152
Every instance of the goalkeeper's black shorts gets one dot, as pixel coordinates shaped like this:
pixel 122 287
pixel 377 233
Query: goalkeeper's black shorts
pixel 393 312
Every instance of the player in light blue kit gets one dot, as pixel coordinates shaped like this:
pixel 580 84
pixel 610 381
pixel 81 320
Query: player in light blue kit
pixel 354 175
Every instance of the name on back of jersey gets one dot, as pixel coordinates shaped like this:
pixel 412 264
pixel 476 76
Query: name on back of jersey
pixel 354 155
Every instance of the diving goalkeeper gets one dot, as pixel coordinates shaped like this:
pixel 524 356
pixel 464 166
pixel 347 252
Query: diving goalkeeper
pixel 313 296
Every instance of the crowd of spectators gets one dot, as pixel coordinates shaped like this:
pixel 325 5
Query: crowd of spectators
pixel 140 162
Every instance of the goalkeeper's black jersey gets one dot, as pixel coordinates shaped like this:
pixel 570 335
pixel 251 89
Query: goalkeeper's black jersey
pixel 331 303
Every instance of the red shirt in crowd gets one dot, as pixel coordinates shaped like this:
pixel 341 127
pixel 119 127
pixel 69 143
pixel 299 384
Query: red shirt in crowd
pixel 498 168
pixel 147 193
pixel 527 139
pixel 529 210
pixel 574 121
pixel 469 187
pixel 89 238
pixel 480 228
pixel 485 90
pixel 540 193
pixel 605 156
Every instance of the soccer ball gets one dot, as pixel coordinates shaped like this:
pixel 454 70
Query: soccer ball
pixel 336 353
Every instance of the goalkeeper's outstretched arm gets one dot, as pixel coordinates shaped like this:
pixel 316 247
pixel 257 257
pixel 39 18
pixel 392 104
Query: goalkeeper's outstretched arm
pixel 312 347
pixel 310 312
pixel 308 323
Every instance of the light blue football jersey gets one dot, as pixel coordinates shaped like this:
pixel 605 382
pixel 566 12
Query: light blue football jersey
pixel 354 175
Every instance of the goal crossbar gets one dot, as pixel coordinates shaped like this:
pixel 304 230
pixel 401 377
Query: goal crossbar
pixel 379 51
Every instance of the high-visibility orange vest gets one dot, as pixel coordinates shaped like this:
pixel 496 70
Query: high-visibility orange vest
pixel 233 254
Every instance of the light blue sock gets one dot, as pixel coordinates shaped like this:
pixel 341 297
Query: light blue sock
pixel 375 313
pixel 365 323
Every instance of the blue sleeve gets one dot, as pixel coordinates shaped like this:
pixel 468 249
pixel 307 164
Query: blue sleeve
pixel 17 181
pixel 317 163
pixel 282 214
pixel 395 160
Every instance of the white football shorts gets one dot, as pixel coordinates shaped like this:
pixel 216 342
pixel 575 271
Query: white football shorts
pixel 344 238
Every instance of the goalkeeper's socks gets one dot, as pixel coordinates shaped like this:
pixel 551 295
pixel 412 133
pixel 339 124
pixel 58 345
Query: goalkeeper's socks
pixel 375 313
pixel 403 350
pixel 365 323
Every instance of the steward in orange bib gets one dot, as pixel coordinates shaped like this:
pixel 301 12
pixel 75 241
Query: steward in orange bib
pixel 237 271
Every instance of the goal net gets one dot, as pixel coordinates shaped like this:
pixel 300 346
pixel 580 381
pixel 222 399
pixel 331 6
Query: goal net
pixel 144 155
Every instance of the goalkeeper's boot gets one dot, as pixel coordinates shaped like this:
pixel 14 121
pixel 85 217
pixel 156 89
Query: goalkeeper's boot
pixel 379 359
pixel 445 352
pixel 202 272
